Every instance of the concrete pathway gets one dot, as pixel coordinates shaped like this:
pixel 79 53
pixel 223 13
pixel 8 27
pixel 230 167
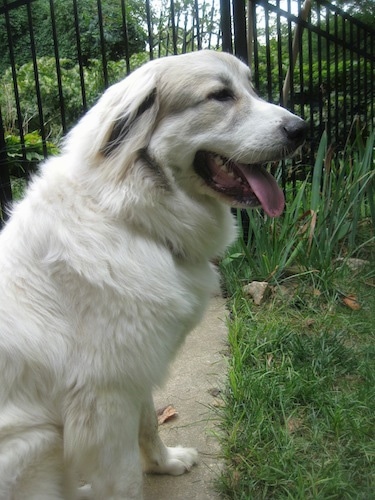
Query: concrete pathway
pixel 199 369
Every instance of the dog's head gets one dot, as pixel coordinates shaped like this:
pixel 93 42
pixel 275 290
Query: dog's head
pixel 195 121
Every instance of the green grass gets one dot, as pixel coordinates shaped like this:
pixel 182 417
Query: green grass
pixel 299 419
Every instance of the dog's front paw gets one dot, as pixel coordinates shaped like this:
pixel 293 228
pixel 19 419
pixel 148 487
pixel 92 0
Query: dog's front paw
pixel 177 461
pixel 180 460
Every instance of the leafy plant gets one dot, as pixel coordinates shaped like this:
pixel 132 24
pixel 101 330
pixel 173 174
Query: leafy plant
pixel 115 44
pixel 342 193
pixel 23 157
pixel 71 103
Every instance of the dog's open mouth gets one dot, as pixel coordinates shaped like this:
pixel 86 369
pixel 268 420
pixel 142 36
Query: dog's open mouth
pixel 242 185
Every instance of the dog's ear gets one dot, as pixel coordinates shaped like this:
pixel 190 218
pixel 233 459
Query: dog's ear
pixel 128 122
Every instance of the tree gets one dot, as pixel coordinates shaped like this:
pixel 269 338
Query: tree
pixel 88 16
pixel 364 10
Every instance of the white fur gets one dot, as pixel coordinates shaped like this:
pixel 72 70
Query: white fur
pixel 104 269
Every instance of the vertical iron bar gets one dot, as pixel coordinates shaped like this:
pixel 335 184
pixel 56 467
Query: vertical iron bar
pixel 239 27
pixel 359 72
pixel 256 51
pixel 36 77
pixel 160 35
pixel 328 58
pixel 196 11
pixel 192 32
pixel 372 77
pixel 301 72
pixel 321 86
pixel 177 28
pixel 15 84
pixel 365 78
pixel 5 185
pixel 184 42
pixel 149 28
pixel 125 35
pixel 57 62
pixel 225 26
pixel 337 83
pixel 344 84
pixel 79 56
pixel 311 96
pixel 173 25
pixel 280 79
pixel 290 52
pixel 268 55
pixel 279 54
pixel 102 43
pixel 351 74
pixel 168 37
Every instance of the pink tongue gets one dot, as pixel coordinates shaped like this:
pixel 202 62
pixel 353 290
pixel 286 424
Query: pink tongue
pixel 265 188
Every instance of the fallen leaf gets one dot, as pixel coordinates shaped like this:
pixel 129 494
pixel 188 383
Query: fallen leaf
pixel 166 413
pixel 351 302
pixel 294 424
pixel 309 322
pixel 257 290
pixel 214 392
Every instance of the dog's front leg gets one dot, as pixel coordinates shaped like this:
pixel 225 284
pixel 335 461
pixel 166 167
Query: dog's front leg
pixel 158 458
pixel 101 440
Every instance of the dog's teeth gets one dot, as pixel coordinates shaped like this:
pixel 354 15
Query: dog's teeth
pixel 239 179
pixel 219 162
pixel 231 174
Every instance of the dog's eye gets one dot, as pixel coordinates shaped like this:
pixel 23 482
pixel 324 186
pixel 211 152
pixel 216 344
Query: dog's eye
pixel 222 95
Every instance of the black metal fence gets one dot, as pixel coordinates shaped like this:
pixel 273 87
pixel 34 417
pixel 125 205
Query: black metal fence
pixel 318 61
pixel 57 57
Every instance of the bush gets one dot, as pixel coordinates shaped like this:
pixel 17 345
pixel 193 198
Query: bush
pixel 24 158
pixel 71 103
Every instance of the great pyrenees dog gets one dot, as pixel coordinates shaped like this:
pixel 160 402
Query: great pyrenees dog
pixel 105 266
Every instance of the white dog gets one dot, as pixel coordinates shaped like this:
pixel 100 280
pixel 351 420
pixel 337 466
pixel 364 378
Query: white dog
pixel 105 267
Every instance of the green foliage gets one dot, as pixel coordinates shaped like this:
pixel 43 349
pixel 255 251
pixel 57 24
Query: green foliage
pixel 18 186
pixel 48 84
pixel 115 48
pixel 364 10
pixel 24 158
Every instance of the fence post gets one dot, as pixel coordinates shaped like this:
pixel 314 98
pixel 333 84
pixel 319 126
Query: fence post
pixel 239 26
pixel 303 14
pixel 5 188
pixel 251 6
pixel 225 24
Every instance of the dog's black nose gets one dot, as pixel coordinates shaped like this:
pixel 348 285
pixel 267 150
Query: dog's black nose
pixel 295 130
